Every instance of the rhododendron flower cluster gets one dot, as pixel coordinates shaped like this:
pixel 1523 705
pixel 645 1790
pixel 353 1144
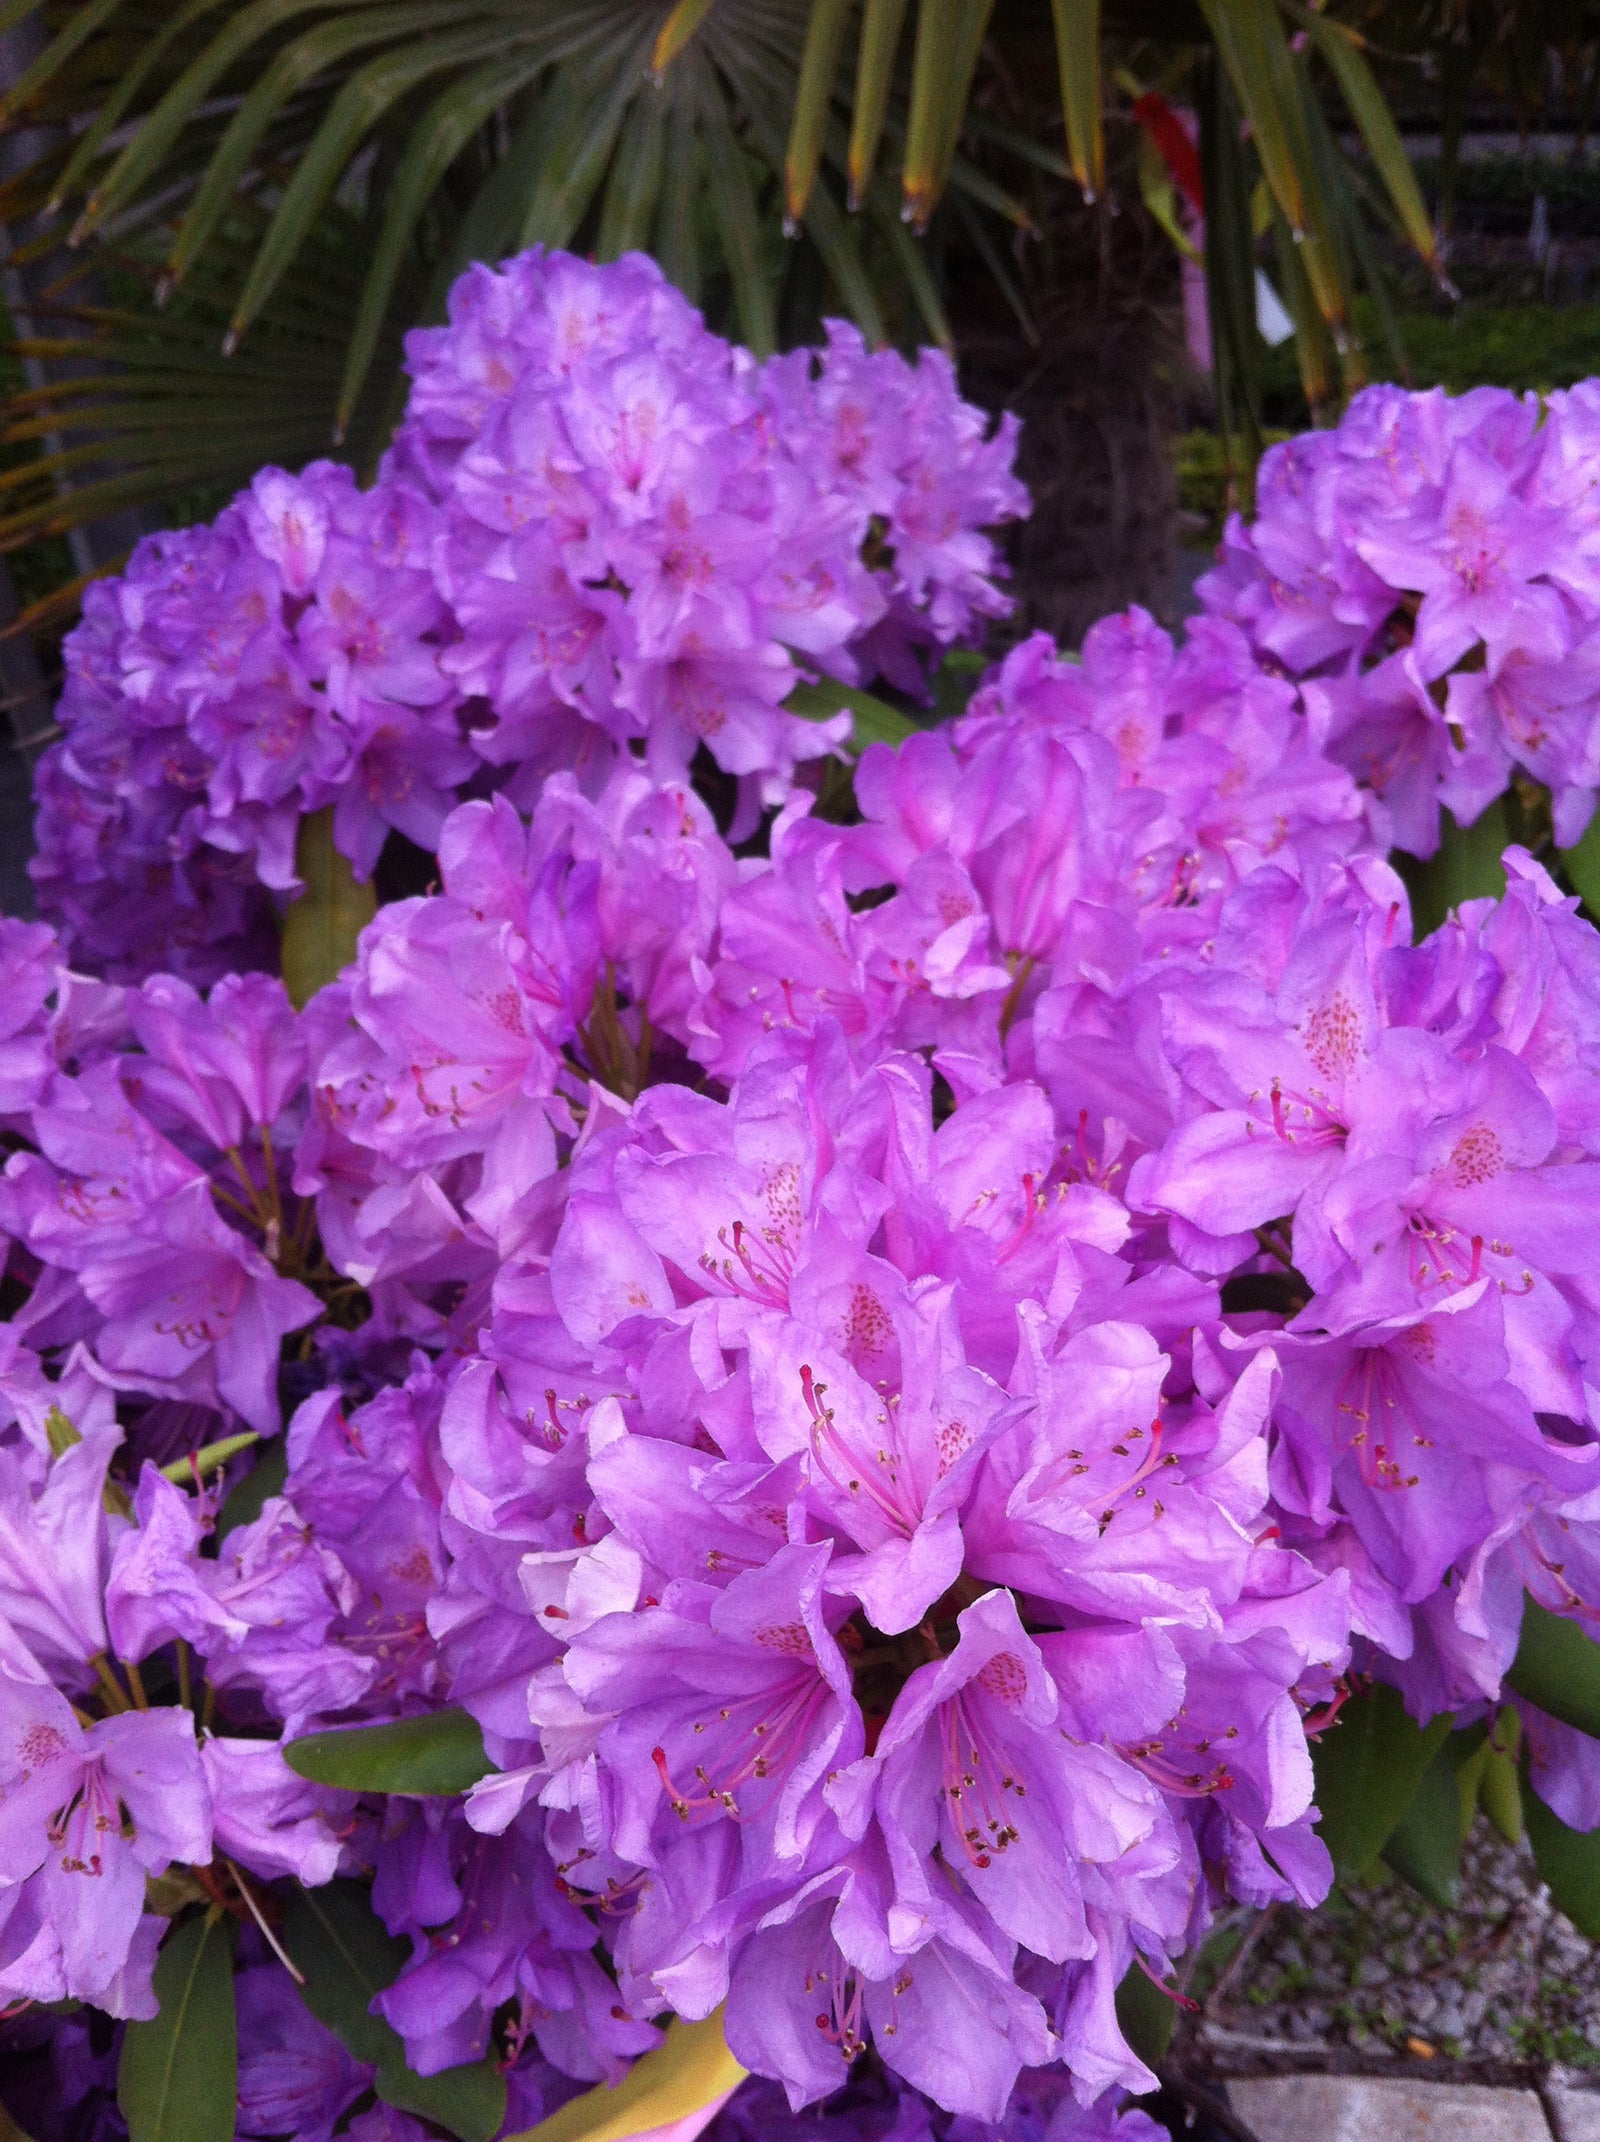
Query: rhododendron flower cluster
pixel 601 528
pixel 894 1386
pixel 1428 569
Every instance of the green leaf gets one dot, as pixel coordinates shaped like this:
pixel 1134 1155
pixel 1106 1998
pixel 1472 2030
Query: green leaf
pixel 154 136
pixel 1230 273
pixel 881 24
pixel 347 1960
pixel 635 183
pixel 1341 47
pixel 1078 54
pixel 1467 867
pixel 813 101
pixel 80 24
pixel 1369 1764
pixel 1568 1861
pixel 178 2077
pixel 439 1753
pixel 321 928
pixel 1557 1668
pixel 949 35
pixel 210 1459
pixel 1582 866
pixel 874 720
pixel 433 146
pixel 677 235
pixel 586 102
pixel 954 682
pixel 1145 2015
pixel 264 1480
pixel 733 200
pixel 121 95
pixel 328 45
pixel 676 32
pixel 1500 1795
pixel 358 107
pixel 1424 1849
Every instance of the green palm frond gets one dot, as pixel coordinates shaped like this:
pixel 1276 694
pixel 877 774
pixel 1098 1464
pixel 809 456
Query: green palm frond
pixel 140 408
pixel 337 162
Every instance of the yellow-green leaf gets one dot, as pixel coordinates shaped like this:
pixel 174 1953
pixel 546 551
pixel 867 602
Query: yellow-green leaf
pixel 1340 46
pixel 949 34
pixel 679 27
pixel 881 23
pixel 321 928
pixel 690 2070
pixel 210 1459
pixel 1078 53
pixel 813 99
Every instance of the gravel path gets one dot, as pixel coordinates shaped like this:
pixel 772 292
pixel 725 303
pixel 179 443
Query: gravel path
pixel 1503 1988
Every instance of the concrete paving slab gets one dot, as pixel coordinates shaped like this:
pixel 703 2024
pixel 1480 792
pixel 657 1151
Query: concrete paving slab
pixel 1574 2114
pixel 1360 2108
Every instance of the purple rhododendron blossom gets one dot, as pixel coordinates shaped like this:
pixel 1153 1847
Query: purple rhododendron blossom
pixel 898 1372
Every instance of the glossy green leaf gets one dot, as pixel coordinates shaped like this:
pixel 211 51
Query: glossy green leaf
pixel 1249 36
pixel 1424 1848
pixel 1369 1765
pixel 873 721
pixel 121 96
pixel 1557 1668
pixel 346 1958
pixel 1145 2015
pixel 881 24
pixel 178 2074
pixel 1230 274
pixel 838 241
pixel 1078 56
pixel 954 682
pixel 1581 864
pixel 677 234
pixel 439 1753
pixel 321 928
pixel 1568 1862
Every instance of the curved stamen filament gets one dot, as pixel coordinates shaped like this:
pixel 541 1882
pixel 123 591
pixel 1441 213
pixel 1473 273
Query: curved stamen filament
pixel 975 1782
